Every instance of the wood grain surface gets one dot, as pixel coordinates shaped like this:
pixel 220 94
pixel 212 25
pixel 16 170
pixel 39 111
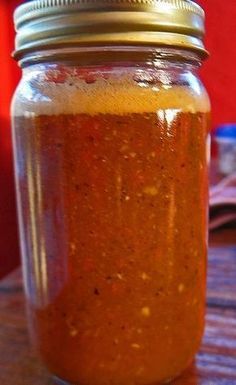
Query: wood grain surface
pixel 214 365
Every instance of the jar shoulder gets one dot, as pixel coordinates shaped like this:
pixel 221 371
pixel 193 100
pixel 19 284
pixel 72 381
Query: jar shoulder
pixel 74 90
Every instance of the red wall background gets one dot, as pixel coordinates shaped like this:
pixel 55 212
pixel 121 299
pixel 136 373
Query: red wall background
pixel 9 74
pixel 219 71
pixel 218 74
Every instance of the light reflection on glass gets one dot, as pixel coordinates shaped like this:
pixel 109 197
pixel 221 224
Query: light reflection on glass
pixel 167 117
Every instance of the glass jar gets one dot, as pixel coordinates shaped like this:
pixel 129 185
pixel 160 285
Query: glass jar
pixel 111 169
pixel 225 137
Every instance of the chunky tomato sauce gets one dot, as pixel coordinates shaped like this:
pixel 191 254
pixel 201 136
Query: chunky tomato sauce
pixel 114 207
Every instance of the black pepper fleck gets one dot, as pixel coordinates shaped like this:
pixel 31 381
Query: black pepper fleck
pixel 96 291
pixel 91 139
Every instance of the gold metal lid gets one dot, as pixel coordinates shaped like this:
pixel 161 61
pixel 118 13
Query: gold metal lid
pixel 54 24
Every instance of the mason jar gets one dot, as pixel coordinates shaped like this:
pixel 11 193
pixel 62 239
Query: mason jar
pixel 110 126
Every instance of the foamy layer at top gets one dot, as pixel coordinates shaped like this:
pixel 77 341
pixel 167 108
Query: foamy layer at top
pixel 109 96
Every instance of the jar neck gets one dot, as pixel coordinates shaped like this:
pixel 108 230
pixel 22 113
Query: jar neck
pixel 117 56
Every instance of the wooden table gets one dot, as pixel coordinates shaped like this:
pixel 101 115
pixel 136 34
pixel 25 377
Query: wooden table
pixel 215 363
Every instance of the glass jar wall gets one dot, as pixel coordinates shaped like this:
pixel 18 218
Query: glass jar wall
pixel 111 170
